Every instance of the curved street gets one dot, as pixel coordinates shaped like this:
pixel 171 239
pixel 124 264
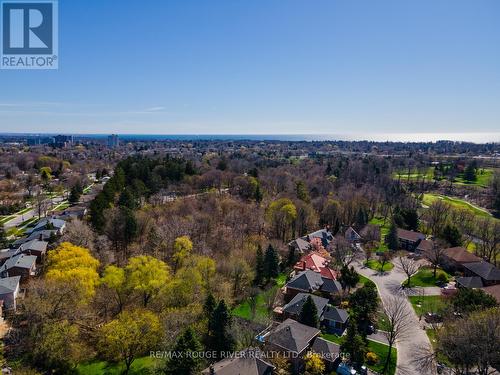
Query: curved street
pixel 389 284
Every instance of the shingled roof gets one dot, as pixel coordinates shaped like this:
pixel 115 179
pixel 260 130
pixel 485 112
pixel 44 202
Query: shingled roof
pixel 247 362
pixel 293 336
pixel 294 307
pixel 485 270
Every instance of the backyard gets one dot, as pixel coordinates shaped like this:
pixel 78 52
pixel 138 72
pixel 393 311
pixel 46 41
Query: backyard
pixel 384 229
pixel 143 365
pixel 424 304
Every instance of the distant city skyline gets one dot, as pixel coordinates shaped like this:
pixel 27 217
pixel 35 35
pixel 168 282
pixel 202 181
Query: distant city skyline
pixel 265 67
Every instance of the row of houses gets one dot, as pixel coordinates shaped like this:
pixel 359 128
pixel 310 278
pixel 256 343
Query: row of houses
pixel 20 261
pixel 311 277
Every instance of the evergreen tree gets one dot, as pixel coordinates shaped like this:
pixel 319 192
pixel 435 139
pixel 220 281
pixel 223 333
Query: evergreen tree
pixel 184 363
pixel 209 305
pixel 309 313
pixel 354 344
pixel 391 239
pixel 258 194
pixel 3 236
pixel 220 338
pixel 348 277
pixel 470 172
pixel 452 235
pixel 259 267
pixel 271 263
pixel 75 193
pixel 127 199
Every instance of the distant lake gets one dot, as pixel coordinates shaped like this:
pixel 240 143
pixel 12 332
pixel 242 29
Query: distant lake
pixel 491 137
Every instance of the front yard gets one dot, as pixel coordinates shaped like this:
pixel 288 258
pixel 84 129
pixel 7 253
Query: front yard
pixel 377 266
pixel 425 277
pixel 424 304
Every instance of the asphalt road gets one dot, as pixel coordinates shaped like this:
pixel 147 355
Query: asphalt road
pixel 388 285
pixel 29 214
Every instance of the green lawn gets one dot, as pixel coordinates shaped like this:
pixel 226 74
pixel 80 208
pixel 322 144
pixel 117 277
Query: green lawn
pixel 382 321
pixel 5 219
pixel 414 174
pixel 331 337
pixel 430 198
pixel 376 265
pixel 61 206
pixel 424 304
pixel 243 310
pixel 384 229
pixel 425 277
pixel 484 177
pixel 381 350
pixel 143 365
pixel 363 280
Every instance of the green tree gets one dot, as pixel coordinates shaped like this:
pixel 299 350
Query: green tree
pixel 348 277
pixel 364 302
pixel 3 236
pixel 182 249
pixel 271 263
pixel 186 361
pixel 469 300
pixel 127 199
pixel 309 313
pixel 75 193
pixel 301 191
pixel 147 275
pixel 452 235
pixel 259 267
pixel 282 214
pixel 220 338
pixel 391 239
pixel 470 172
pixel 314 364
pixel 354 344
pixel 129 336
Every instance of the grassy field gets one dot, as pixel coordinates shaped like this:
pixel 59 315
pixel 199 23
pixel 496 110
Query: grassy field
pixel 381 350
pixel 382 321
pixel 363 280
pixel 376 265
pixel 384 229
pixel 5 219
pixel 244 310
pixel 424 304
pixel 415 175
pixel 430 198
pixel 425 277
pixel 144 365
pixel 484 177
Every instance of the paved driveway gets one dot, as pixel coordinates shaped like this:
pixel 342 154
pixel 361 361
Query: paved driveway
pixel 388 285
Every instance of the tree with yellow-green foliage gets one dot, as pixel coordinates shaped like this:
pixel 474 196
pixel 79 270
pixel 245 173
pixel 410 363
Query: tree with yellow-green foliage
pixel 182 249
pixel 281 214
pixel 130 335
pixel 147 275
pixel 115 279
pixel 74 265
pixel 314 364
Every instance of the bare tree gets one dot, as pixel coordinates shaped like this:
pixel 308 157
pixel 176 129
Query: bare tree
pixel 384 258
pixel 437 215
pixel 488 230
pixel 80 234
pixel 409 267
pixel 398 323
pixel 342 252
pixel 435 255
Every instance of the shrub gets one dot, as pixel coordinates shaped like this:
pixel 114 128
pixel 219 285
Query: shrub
pixel 441 277
pixel 371 358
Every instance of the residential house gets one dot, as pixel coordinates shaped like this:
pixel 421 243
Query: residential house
pixel 454 258
pixel 300 245
pixel 335 320
pixel 293 339
pixel 469 282
pixel 248 362
pixel 34 247
pixel 293 308
pixel 408 239
pixel 320 238
pixel 6 254
pixel 72 213
pixel 316 262
pixel 489 274
pixel 19 265
pixel 9 290
pixel 351 235
pixel 424 247
pixel 494 291
pixel 50 223
pixel 42 235
pixel 309 281
pixel 328 351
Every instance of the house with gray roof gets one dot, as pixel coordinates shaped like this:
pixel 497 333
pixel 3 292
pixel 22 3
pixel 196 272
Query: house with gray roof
pixel 248 362
pixel 19 265
pixel 6 254
pixel 328 351
pixel 309 281
pixel 34 247
pixel 334 319
pixel 51 224
pixel 293 308
pixel 9 290
pixel 42 235
pixel 489 274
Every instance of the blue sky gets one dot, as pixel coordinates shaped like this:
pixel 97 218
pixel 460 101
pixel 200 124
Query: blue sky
pixel 264 66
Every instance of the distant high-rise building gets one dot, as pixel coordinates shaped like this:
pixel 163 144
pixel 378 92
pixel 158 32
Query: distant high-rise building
pixel 63 140
pixel 113 141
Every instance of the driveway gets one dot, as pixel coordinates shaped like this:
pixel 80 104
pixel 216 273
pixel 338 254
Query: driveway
pixel 389 284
